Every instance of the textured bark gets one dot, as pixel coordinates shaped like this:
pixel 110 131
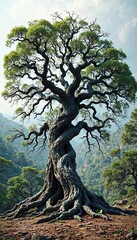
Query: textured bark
pixel 63 194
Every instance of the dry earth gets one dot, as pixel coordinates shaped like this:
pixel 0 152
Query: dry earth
pixel 117 228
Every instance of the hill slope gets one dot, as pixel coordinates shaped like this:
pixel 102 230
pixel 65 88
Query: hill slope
pixel 92 164
pixel 35 157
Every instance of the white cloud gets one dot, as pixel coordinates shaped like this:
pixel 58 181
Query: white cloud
pixel 129 30
pixel 23 11
pixel 33 9
pixel 20 7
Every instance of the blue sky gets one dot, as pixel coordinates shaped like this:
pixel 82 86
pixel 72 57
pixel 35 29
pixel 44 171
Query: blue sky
pixel 117 17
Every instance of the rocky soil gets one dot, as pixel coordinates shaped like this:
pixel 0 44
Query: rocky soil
pixel 117 228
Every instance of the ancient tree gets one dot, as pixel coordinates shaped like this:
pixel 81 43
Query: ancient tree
pixel 68 70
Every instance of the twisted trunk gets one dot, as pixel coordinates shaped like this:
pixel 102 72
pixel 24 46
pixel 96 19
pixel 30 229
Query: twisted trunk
pixel 63 194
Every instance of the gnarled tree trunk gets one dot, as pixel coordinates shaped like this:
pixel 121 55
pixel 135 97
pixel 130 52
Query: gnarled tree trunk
pixel 63 194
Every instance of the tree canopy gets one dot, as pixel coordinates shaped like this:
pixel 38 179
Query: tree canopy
pixel 68 57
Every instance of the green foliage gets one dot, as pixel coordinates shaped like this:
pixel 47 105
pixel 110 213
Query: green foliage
pixel 18 110
pixel 14 151
pixel 17 180
pixel 20 187
pixel 41 30
pixel 4 165
pixel 10 160
pixel 122 173
pixel 25 185
pixel 16 190
pixel 92 164
pixel 98 170
pixel 3 198
pixel 32 127
pixel 53 60
pixel 16 33
pixel 114 54
pixel 43 48
pixel 130 131
pixel 115 152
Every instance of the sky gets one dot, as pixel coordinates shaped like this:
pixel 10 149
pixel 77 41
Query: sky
pixel 116 17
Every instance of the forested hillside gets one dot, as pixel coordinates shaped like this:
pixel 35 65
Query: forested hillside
pixel 92 164
pixel 19 174
pixel 11 151
pixel 32 157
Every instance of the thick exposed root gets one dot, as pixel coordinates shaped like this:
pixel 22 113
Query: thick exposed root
pixel 93 214
pixel 72 207
pixel 77 211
